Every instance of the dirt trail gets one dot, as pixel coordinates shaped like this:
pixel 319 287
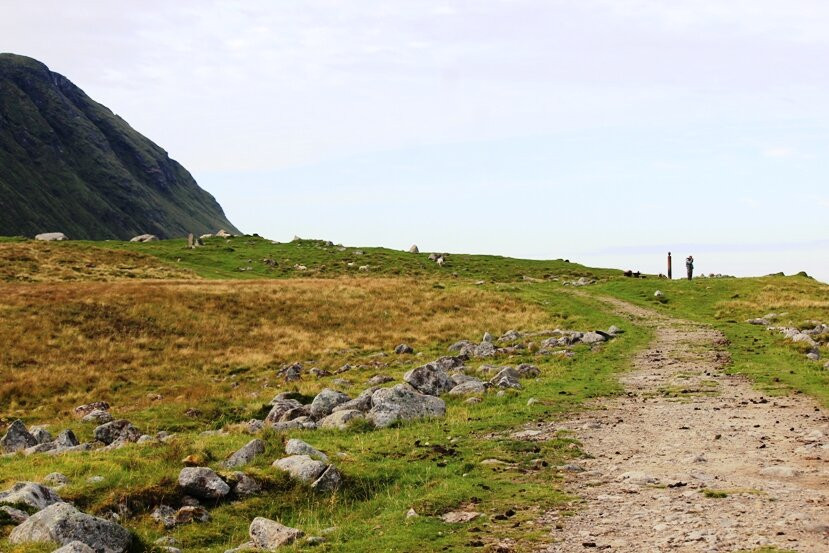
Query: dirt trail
pixel 692 459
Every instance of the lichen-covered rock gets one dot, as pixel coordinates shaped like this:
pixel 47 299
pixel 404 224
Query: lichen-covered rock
pixel 191 513
pixel 325 401
pixel 593 338
pixel 301 467
pixel 401 403
pixel 328 481
pixel 244 484
pixel 269 535
pixel 246 454
pixel 17 438
pixel 429 379
pixel 203 483
pixel 15 515
pixel 98 416
pixel 280 407
pixel 62 523
pixel 51 236
pixel 116 430
pixel 30 493
pixel 470 387
pixel 506 378
pixel 360 403
pixel 66 439
pixel 83 410
pixel 41 435
pixel 298 447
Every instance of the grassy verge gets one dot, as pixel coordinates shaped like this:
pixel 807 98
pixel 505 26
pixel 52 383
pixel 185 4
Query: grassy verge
pixel 776 365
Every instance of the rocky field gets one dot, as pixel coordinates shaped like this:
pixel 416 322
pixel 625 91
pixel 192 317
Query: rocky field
pixel 248 395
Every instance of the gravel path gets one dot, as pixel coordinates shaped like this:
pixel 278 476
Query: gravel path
pixel 691 459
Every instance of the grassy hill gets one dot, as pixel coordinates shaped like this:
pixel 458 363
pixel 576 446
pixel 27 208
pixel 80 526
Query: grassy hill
pixel 68 164
pixel 193 340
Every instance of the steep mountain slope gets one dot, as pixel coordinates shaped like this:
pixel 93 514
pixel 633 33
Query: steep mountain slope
pixel 69 164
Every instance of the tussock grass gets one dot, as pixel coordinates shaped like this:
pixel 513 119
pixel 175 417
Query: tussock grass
pixel 210 342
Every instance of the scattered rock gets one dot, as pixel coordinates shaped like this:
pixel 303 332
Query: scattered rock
pixel 638 478
pixel 164 515
pixel 403 402
pixel 203 483
pixel 17 438
pixel 298 447
pixel 457 517
pixel 246 454
pixel 411 513
pixel 98 416
pixel 301 467
pixel 116 430
pixel 41 435
pixel 781 472
pixel 269 535
pixel 189 513
pixel 414 249
pixel 66 439
pixel 325 401
pixel 403 349
pixel 341 419
pixel 244 484
pixel 469 387
pixel 83 410
pixel 16 515
pixel 51 236
pixel 506 378
pixel 31 494
pixel 429 379
pixel 328 481
pixel 280 407
pixel 144 238
pixel 379 379
pixel 658 294
pixel 64 524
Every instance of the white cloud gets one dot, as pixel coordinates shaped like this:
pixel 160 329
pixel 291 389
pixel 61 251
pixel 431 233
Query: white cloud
pixel 780 152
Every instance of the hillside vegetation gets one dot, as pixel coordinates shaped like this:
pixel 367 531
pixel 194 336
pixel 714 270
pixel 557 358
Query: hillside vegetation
pixel 68 164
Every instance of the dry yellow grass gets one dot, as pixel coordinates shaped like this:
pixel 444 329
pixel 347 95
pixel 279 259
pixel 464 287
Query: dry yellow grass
pixel 51 262
pixel 65 343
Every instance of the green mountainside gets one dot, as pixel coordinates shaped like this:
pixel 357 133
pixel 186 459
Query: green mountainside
pixel 68 164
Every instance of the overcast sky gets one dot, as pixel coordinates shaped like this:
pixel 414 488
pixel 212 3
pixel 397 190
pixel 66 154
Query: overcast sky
pixel 604 131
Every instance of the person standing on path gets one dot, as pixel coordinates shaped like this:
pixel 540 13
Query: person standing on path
pixel 689 266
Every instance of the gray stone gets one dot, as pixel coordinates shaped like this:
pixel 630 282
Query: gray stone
pixel 64 524
pixel 414 249
pixel 280 407
pixel 401 403
pixel 66 439
pixel 191 513
pixel 298 447
pixel 301 467
pixel 379 379
pixel 98 416
pixel 506 378
pixel 341 419
pixel 164 515
pixel 469 387
pixel 51 237
pixel 203 483
pixel 526 370
pixel 615 330
pixel 360 403
pixel 487 337
pixel 246 454
pixel 41 435
pixel 461 345
pixel 403 349
pixel 74 547
pixel 429 379
pixel 116 430
pixel 592 338
pixel 83 410
pixel 144 238
pixel 16 515
pixel 244 484
pixel 17 438
pixel 329 481
pixel 269 535
pixel 325 401
pixel 30 493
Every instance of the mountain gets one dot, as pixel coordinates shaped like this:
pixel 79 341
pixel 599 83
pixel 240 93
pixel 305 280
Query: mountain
pixel 68 164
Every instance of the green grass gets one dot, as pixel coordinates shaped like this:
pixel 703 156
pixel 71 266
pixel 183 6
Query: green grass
pixel 775 365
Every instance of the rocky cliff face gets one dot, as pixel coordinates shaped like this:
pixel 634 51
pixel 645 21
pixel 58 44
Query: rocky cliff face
pixel 69 164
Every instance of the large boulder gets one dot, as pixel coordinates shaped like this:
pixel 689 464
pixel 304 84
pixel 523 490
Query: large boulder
pixel 62 523
pixel 51 236
pixel 246 454
pixel 301 467
pixel 17 438
pixel 269 535
pixel 429 379
pixel 325 401
pixel 360 403
pixel 401 403
pixel 203 483
pixel 31 494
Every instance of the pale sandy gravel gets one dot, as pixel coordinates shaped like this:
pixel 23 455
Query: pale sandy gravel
pixel 777 495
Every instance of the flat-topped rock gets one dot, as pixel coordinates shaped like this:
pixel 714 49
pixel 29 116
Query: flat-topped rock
pixel 63 524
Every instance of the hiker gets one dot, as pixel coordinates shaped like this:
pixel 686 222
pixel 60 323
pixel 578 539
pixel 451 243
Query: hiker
pixel 689 265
